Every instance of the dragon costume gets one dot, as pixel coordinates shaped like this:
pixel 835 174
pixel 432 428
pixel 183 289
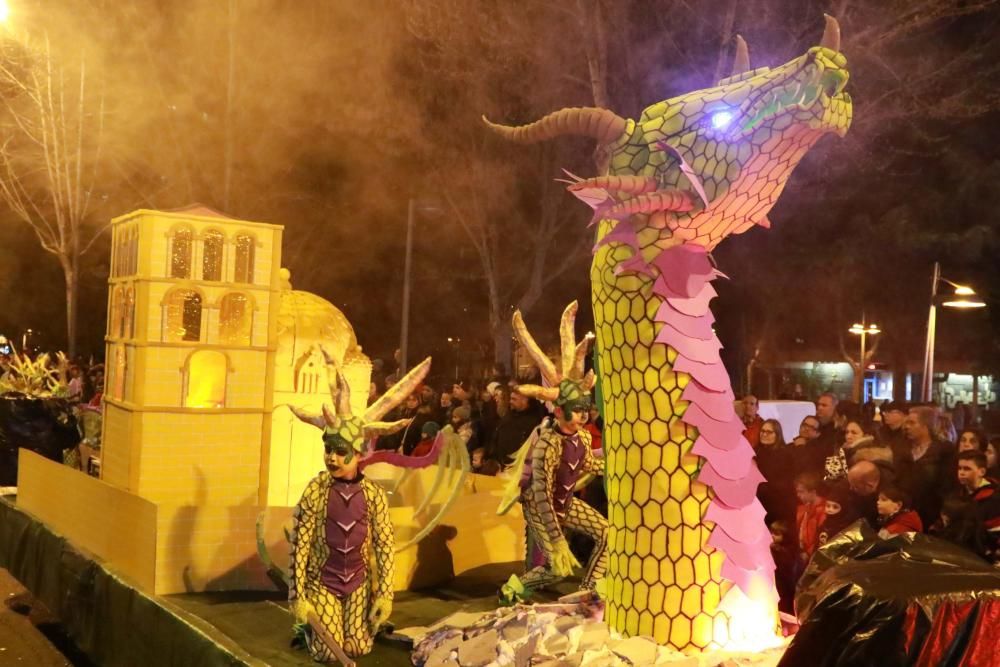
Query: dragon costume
pixel 340 584
pixel 685 525
pixel 551 465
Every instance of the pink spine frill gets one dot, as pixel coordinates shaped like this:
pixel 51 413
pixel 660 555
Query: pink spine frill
pixel 728 467
pixel 394 458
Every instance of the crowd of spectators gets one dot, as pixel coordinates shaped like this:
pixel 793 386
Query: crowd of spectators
pixel 902 467
pixel 495 417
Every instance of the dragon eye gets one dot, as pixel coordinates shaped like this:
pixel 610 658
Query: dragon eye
pixel 721 119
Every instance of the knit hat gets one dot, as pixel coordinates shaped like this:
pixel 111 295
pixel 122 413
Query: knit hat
pixel 462 412
pixel 840 494
pixel 430 429
pixel 492 387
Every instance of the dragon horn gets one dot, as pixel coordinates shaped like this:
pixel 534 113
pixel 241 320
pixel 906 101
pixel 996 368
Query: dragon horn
pixel 541 393
pixel 589 380
pixel 330 417
pixel 316 420
pixel 579 359
pixel 567 338
pixel 343 396
pixel 373 429
pixel 601 124
pixel 541 359
pixel 741 63
pixel 398 392
pixel 831 34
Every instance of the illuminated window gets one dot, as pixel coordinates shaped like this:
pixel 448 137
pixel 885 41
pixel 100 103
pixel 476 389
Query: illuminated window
pixel 180 253
pixel 211 261
pixel 116 314
pixel 118 388
pixel 235 319
pixel 133 255
pixel 128 328
pixel 205 382
pixel 245 247
pixel 182 316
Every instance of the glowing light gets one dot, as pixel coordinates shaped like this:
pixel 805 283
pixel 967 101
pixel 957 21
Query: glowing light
pixel 964 303
pixel 962 290
pixel 753 621
pixel 4 11
pixel 722 119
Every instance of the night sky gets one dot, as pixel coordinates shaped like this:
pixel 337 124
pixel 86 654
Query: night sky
pixel 328 117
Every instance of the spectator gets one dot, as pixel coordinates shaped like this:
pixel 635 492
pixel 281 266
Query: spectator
pixel 595 427
pixel 840 512
pixel 972 439
pixel 786 570
pixel 854 436
pixel 515 427
pixel 864 479
pixel 975 486
pixel 992 471
pixel 826 412
pixel 428 432
pixel 751 420
pixel 895 515
pixel 482 465
pixel 809 514
pixel 807 453
pixel 959 523
pixel 774 462
pixel 891 432
pixel 926 468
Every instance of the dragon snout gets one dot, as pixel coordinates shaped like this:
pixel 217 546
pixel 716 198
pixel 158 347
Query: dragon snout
pixel 833 81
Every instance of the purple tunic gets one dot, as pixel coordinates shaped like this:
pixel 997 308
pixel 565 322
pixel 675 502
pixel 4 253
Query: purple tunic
pixel 346 531
pixel 569 472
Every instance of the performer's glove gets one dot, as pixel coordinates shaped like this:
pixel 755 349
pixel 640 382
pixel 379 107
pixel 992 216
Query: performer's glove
pixel 562 560
pixel 380 611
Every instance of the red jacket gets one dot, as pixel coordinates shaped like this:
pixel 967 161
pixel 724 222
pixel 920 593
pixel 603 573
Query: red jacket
pixel 904 522
pixel 808 519
pixel 752 431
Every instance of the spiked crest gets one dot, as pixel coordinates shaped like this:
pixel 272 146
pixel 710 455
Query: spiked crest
pixel 567 384
pixel 339 423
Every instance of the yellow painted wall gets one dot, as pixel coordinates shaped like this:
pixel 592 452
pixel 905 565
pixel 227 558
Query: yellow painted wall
pixel 116 526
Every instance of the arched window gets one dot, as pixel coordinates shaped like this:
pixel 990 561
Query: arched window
pixel 116 313
pixel 133 254
pixel 205 380
pixel 128 327
pixel 180 253
pixel 235 319
pixel 245 247
pixel 211 260
pixel 182 316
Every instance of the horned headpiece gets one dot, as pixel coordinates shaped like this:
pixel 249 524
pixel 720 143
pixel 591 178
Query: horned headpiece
pixel 568 384
pixel 340 424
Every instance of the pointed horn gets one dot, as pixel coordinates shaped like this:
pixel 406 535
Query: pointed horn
pixel 343 396
pixel 580 359
pixel 398 392
pixel 567 338
pixel 741 62
pixel 535 391
pixel 316 420
pixel 330 416
pixel 601 124
pixel 831 34
pixel 589 380
pixel 373 429
pixel 541 359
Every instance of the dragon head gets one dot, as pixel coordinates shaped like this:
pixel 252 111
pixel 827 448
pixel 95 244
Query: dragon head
pixel 734 144
pixel 567 386
pixel 344 433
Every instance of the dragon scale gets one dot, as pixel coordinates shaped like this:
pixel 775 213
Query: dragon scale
pixel 685 526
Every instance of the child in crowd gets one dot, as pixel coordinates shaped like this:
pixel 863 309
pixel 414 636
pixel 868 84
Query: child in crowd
pixel 428 432
pixel 786 569
pixel 809 514
pixel 839 510
pixel 895 515
pixel 482 465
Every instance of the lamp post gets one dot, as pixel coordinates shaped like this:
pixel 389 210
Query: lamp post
pixel 965 297
pixel 864 330
pixel 404 335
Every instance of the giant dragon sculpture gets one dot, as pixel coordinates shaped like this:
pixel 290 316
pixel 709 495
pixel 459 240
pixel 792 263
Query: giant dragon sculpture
pixel 687 534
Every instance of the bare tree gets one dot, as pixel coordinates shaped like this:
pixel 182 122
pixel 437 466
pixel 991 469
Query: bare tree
pixel 53 125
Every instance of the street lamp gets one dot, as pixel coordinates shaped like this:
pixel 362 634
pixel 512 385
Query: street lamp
pixel 404 336
pixel 964 298
pixel 863 330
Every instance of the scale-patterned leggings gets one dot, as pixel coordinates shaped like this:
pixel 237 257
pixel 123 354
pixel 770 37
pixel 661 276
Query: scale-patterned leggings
pixel 345 618
pixel 579 517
